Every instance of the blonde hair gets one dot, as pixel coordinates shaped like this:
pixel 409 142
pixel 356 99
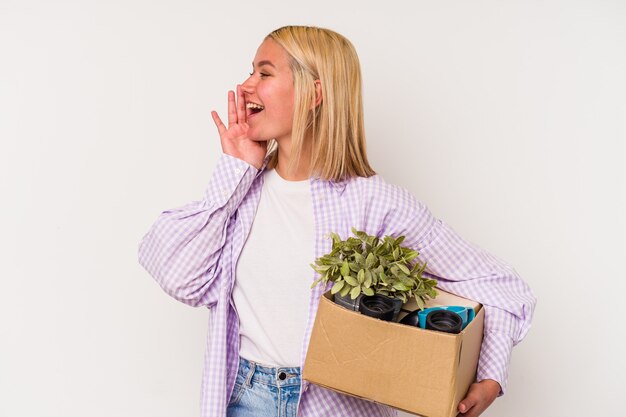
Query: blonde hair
pixel 336 125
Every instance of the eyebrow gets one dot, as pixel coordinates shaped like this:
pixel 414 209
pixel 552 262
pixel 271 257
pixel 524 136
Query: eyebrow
pixel 261 63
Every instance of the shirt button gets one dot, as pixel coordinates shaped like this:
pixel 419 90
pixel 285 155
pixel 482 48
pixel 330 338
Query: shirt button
pixel 282 376
pixel 237 171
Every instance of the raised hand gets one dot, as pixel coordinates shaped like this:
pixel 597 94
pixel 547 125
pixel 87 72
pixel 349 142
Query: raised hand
pixel 234 138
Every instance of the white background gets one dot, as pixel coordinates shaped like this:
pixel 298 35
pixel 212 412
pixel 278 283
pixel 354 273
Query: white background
pixel 507 118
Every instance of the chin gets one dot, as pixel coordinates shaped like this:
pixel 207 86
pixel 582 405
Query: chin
pixel 258 139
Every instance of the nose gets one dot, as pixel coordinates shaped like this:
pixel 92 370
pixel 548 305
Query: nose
pixel 248 85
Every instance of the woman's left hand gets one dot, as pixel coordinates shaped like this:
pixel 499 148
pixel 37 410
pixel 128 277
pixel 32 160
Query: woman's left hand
pixel 479 397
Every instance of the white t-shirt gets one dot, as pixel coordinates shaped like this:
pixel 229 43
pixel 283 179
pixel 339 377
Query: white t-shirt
pixel 274 276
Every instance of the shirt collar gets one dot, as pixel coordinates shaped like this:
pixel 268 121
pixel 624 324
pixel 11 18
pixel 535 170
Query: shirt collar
pixel 264 166
pixel 338 186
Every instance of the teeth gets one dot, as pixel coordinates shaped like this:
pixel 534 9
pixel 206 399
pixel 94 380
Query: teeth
pixel 254 106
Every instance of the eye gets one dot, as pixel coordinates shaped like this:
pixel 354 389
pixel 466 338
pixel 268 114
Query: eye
pixel 261 74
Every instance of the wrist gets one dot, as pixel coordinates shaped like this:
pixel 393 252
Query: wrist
pixel 492 386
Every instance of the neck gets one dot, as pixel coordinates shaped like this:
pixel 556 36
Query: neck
pixel 302 170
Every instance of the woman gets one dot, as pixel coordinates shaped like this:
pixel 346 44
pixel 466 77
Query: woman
pixel 295 168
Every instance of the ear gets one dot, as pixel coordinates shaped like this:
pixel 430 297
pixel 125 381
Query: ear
pixel 318 94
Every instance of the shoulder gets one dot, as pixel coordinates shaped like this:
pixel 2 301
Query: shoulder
pixel 390 209
pixel 376 188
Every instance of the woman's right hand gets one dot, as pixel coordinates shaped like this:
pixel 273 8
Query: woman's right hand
pixel 234 138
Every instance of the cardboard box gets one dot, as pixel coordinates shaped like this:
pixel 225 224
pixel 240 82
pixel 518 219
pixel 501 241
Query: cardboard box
pixel 419 371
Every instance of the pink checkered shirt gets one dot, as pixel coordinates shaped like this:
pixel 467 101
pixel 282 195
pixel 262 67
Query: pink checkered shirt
pixel 191 251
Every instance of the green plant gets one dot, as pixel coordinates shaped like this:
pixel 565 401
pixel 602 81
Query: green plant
pixel 366 264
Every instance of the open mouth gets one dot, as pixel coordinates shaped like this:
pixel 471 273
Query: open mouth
pixel 254 108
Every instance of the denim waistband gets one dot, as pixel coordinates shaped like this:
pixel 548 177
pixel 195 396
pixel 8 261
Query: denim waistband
pixel 279 377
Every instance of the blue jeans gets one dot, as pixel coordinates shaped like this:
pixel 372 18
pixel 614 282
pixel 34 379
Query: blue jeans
pixel 263 391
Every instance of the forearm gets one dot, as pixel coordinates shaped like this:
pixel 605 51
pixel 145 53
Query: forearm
pixel 495 356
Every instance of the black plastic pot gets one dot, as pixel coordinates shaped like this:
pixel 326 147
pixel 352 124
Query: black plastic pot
pixel 411 319
pixel 397 306
pixel 348 302
pixel 444 321
pixel 377 306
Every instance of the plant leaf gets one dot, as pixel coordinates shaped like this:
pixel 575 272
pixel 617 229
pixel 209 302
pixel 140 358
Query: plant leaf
pixel 335 237
pixel 355 292
pixel 403 268
pixel 410 255
pixel 368 291
pixel 361 235
pixel 345 290
pixel 361 276
pixel 345 269
pixel 351 281
pixel 337 287
pixel 368 279
pixel 394 270
pixel 317 281
pixel 358 258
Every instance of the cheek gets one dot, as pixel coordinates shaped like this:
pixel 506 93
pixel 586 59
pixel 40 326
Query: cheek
pixel 287 102
pixel 279 100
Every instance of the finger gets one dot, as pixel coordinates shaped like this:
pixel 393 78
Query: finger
pixel 218 123
pixel 475 411
pixel 241 105
pixel 232 111
pixel 467 404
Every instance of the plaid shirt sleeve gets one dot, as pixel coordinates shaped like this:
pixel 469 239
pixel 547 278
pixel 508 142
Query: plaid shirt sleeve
pixel 183 247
